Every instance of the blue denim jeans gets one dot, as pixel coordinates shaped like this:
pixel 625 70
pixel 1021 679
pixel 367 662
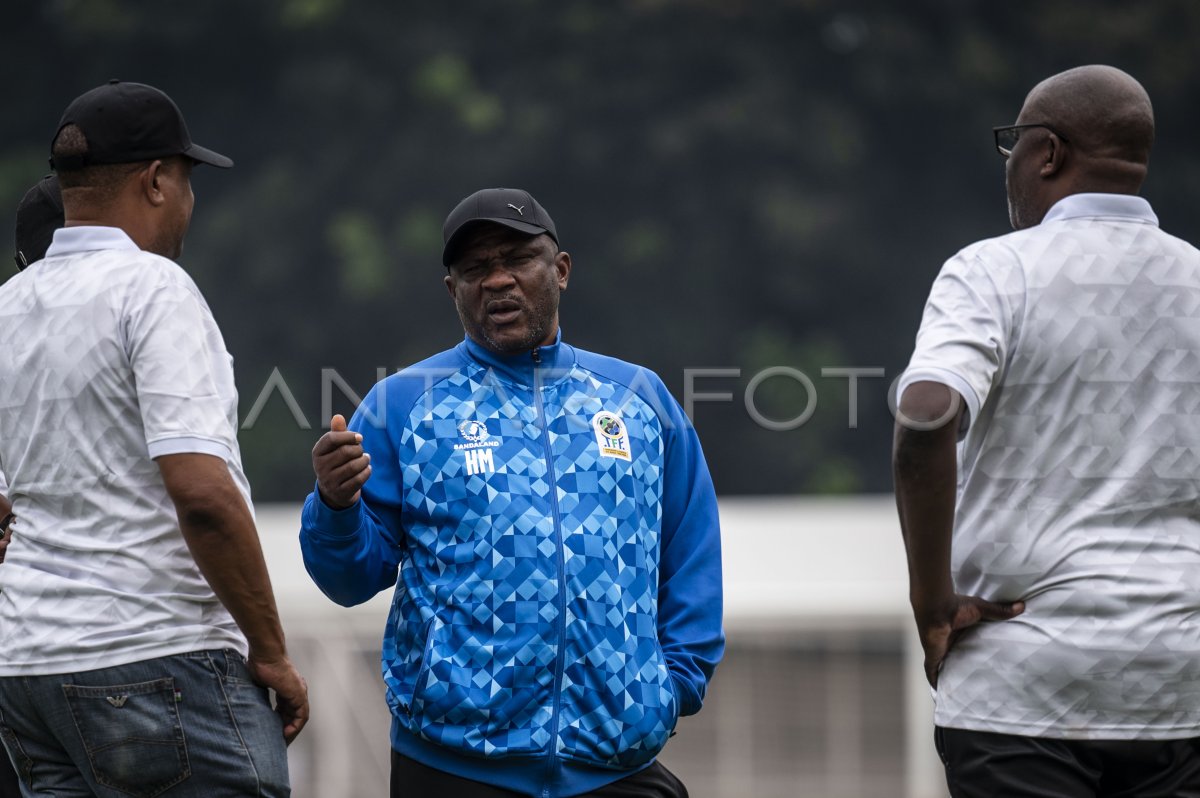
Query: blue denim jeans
pixel 187 726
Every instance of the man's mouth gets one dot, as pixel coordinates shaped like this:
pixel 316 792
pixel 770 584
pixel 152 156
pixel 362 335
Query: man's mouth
pixel 503 311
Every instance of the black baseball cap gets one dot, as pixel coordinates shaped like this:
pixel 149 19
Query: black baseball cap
pixel 130 122
pixel 39 214
pixel 510 207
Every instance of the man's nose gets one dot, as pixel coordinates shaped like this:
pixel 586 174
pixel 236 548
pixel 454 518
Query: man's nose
pixel 497 276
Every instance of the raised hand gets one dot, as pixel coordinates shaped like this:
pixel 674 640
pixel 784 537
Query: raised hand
pixel 341 466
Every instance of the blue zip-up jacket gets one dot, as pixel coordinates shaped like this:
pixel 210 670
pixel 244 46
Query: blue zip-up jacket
pixel 555 529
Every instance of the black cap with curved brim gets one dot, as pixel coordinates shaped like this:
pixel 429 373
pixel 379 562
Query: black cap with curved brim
pixel 127 123
pixel 511 207
pixel 39 214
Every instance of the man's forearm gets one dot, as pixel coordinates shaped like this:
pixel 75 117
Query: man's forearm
pixel 924 467
pixel 220 533
pixel 924 460
pixel 224 542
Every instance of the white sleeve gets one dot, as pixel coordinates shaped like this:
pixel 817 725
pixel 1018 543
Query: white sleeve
pixel 3 485
pixel 966 330
pixel 182 371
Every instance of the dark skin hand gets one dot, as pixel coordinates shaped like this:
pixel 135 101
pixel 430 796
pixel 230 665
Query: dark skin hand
pixel 341 466
pixel 6 519
pixel 925 467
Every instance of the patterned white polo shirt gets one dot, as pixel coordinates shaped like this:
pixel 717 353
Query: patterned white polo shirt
pixel 1076 345
pixel 109 357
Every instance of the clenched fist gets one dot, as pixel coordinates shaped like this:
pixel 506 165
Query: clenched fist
pixel 341 465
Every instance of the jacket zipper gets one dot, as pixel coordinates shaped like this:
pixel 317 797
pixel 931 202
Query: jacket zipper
pixel 559 664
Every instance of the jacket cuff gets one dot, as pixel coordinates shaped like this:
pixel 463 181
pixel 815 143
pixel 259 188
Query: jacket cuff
pixel 685 695
pixel 319 517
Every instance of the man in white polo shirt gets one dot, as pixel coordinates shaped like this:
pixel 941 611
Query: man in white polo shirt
pixel 137 621
pixel 1057 590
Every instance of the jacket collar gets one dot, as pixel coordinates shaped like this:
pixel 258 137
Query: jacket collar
pixel 543 365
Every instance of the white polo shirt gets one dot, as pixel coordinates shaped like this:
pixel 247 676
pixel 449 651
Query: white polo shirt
pixel 109 357
pixel 1076 345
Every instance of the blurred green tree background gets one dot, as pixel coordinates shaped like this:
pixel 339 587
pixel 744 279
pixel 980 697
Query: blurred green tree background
pixel 743 184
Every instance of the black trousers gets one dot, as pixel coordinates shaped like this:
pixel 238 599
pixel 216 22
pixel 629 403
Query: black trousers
pixel 9 786
pixel 411 779
pixel 985 765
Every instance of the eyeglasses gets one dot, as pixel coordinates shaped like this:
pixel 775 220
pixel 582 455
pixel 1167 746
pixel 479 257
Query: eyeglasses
pixel 1008 135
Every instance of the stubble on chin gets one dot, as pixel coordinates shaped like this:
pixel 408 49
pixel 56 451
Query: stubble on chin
pixel 534 333
pixel 523 343
pixel 483 334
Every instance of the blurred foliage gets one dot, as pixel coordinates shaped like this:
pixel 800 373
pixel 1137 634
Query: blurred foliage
pixel 742 184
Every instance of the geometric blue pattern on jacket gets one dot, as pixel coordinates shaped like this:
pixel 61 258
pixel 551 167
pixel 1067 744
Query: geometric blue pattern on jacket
pixel 484 548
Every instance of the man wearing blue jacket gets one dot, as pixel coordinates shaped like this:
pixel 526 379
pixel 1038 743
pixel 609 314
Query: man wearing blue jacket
pixel 548 522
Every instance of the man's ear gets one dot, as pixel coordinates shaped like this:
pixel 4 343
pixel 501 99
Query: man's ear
pixel 562 265
pixel 151 179
pixel 1055 156
pixel 449 279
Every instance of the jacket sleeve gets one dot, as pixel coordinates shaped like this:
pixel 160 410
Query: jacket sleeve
pixel 354 553
pixel 689 586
